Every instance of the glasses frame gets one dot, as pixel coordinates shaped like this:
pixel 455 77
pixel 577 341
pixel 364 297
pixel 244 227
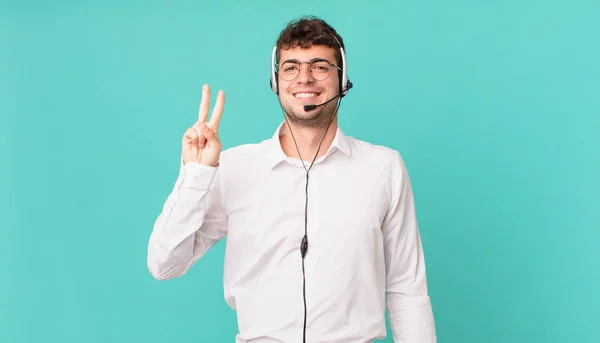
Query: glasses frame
pixel 300 63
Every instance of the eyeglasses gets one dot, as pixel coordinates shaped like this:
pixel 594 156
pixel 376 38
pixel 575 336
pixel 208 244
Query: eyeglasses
pixel 320 69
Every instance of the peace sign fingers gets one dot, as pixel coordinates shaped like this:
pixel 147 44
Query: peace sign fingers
pixel 217 112
pixel 201 143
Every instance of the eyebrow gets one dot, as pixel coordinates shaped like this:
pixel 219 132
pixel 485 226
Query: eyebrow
pixel 316 59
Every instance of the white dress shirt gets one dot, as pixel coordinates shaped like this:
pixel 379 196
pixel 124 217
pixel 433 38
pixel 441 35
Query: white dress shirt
pixel 364 254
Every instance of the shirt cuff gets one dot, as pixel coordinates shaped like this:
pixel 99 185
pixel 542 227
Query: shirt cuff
pixel 411 319
pixel 197 176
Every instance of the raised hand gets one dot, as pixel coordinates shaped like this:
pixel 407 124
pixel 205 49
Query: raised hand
pixel 201 142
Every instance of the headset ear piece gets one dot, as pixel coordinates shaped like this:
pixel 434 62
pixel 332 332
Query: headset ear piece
pixel 348 86
pixel 273 84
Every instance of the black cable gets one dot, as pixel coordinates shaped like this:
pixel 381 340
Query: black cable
pixel 304 243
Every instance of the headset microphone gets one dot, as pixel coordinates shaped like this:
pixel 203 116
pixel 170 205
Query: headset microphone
pixel 312 107
pixel 341 94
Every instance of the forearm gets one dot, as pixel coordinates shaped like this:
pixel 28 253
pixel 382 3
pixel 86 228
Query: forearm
pixel 173 245
pixel 411 318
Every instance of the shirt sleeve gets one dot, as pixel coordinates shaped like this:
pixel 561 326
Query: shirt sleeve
pixel 192 220
pixel 407 300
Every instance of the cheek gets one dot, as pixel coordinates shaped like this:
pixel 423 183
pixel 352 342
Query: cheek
pixel 285 87
pixel 332 83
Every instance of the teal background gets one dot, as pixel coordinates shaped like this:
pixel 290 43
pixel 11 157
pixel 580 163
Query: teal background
pixel 494 106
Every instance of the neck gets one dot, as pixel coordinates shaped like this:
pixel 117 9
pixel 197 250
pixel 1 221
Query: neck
pixel 308 139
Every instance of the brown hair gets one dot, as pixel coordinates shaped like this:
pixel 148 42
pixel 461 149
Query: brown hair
pixel 307 31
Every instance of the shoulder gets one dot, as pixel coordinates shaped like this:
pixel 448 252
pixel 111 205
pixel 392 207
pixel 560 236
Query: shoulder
pixel 376 153
pixel 384 163
pixel 387 164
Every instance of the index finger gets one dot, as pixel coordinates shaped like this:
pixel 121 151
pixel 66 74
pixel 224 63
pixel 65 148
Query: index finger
pixel 204 104
pixel 217 112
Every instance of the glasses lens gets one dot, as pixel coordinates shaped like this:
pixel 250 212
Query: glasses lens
pixel 319 70
pixel 289 70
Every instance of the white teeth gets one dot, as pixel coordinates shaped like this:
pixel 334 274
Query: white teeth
pixel 305 95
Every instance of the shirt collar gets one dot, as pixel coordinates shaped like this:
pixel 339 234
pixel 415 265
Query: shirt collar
pixel 276 154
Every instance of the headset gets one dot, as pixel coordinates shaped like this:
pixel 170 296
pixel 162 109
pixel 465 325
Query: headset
pixel 344 87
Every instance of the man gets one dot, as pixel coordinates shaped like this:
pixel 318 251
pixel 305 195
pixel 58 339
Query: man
pixel 321 228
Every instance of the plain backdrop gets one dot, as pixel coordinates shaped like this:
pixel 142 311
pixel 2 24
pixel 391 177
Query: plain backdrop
pixel 494 106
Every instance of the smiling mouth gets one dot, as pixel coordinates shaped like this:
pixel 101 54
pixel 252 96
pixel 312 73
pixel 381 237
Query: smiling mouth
pixel 306 95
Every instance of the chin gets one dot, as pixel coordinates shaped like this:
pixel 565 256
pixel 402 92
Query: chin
pixel 300 113
pixel 318 117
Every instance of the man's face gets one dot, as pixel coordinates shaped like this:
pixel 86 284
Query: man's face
pixel 308 87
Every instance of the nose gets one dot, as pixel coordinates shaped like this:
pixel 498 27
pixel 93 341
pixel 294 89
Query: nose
pixel 304 75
